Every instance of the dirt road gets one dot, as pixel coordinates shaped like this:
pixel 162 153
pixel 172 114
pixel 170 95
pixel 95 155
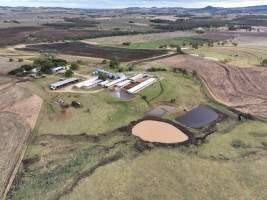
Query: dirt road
pixel 241 88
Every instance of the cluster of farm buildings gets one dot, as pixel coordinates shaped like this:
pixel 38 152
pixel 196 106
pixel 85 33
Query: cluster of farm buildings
pixel 131 85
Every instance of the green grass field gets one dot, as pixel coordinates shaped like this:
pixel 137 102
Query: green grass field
pixel 237 56
pixel 172 41
pixel 61 163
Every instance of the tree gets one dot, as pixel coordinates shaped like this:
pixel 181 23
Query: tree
pixel 194 73
pixel 210 43
pixel 114 63
pixel 144 97
pixel 179 50
pixel 195 45
pixel 102 76
pixel 74 66
pixel 264 63
pixel 69 73
pixel 235 44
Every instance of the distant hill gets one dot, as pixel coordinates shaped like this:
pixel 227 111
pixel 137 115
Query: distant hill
pixel 164 10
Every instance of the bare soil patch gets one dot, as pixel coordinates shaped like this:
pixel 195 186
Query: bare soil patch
pixel 241 88
pixel 14 133
pixel 160 132
pixel 161 110
pixel 84 49
pixel 19 110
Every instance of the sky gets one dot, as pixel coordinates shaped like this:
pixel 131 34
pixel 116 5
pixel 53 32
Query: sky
pixel 132 3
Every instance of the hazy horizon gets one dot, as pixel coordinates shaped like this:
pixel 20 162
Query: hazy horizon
pixel 131 3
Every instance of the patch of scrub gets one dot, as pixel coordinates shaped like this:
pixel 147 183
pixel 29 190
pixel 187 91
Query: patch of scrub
pixel 160 132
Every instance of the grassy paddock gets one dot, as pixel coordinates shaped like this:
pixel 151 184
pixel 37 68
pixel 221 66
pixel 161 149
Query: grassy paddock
pixel 172 41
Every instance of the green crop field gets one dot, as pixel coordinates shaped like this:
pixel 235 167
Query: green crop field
pixel 169 42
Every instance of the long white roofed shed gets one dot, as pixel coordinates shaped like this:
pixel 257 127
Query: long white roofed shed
pixel 142 85
pixel 63 83
pixel 89 83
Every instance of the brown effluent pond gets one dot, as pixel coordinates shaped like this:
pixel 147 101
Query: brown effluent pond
pixel 160 132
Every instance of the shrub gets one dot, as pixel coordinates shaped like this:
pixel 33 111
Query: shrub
pixel 69 73
pixel 114 63
pixel 179 50
pixel 264 63
pixel 155 69
pixel 126 43
pixel 239 144
pixel 74 66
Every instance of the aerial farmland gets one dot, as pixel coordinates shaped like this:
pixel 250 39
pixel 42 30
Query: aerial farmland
pixel 134 103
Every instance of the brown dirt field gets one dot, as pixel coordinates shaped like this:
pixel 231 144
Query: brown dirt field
pixel 14 134
pixel 161 132
pixel 6 66
pixel 19 110
pixel 18 35
pixel 241 88
pixel 84 49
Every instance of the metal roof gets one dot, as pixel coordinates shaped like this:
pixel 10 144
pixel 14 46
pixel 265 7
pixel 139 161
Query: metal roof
pixel 61 83
pixel 142 85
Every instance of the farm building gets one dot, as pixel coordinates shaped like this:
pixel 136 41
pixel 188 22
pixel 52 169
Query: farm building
pixel 136 77
pixel 123 83
pixel 57 69
pixel 108 74
pixel 63 83
pixel 103 83
pixel 112 83
pixel 89 83
pixel 141 85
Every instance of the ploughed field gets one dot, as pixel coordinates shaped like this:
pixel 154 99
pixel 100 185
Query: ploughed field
pixel 18 35
pixel 19 110
pixel 241 88
pixel 83 49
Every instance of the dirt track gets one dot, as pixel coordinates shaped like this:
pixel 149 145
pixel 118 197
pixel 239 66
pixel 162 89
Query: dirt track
pixel 241 88
pixel 19 110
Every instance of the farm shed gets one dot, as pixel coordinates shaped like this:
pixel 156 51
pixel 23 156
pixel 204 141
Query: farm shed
pixel 63 83
pixel 142 85
pixel 115 81
pixel 57 69
pixel 89 83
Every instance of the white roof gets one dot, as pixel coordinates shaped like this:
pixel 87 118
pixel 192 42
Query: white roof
pixel 104 83
pixel 60 83
pixel 57 68
pixel 141 86
pixel 123 83
pixel 115 82
pixel 136 77
pixel 89 83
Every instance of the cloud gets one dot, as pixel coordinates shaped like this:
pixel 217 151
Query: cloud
pixel 132 3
